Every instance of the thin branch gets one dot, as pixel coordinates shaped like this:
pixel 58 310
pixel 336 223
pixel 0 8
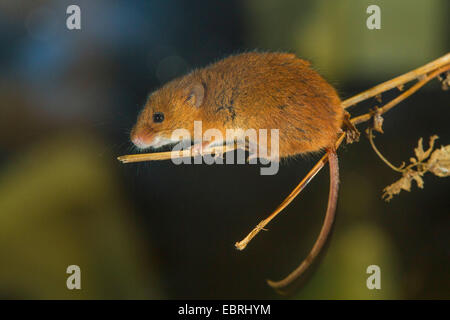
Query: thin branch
pixel 174 154
pixel 398 81
pixel 403 96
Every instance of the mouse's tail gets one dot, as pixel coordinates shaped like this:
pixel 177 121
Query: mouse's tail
pixel 326 227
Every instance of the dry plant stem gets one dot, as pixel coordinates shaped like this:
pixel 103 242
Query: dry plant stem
pixel 374 147
pixel 172 154
pixel 398 81
pixel 388 106
pixel 311 174
pixel 319 165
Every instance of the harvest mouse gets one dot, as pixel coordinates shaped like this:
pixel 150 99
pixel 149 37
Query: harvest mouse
pixel 252 90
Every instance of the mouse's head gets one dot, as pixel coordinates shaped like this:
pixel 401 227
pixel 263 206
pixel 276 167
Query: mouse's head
pixel 174 106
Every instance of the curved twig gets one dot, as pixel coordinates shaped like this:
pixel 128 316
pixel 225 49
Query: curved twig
pixel 374 147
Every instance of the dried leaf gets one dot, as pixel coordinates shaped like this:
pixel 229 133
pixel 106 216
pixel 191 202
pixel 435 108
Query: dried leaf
pixel 439 162
pixel 416 176
pixel 404 183
pixel 419 150
pixel 378 123
pixel 420 153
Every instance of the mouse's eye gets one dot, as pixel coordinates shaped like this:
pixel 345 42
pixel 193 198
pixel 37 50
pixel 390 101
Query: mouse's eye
pixel 158 117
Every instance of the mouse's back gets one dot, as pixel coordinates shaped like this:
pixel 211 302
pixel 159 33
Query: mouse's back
pixel 273 91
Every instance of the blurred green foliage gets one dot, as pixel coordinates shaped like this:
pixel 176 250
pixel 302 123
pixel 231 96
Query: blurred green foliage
pixel 59 205
pixel 342 272
pixel 333 34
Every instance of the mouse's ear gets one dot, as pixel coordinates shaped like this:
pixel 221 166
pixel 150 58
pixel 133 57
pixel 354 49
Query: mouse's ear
pixel 195 94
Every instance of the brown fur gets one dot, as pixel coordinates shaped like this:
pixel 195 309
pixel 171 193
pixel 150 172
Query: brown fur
pixel 252 91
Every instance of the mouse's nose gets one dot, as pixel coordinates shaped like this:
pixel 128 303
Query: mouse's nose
pixel 140 142
pixel 141 139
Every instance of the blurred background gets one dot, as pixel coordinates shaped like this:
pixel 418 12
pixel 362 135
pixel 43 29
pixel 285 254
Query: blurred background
pixel 160 231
